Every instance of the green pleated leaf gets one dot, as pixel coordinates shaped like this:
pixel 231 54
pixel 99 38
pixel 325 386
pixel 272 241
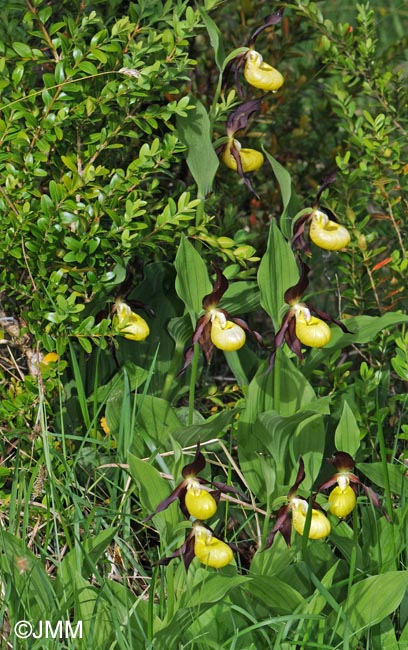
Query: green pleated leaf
pixel 261 429
pixel 276 594
pixel 215 587
pixel 157 419
pixel 192 282
pixel 347 434
pixel 211 589
pixel 215 38
pixel 180 330
pixel 84 557
pixel 383 636
pixel 370 601
pixel 195 132
pixel 114 387
pixel 152 487
pixel 285 185
pixel 30 588
pixel 318 601
pixel 277 272
pixel 241 297
pixel 396 475
pixel 270 435
pixel 363 328
pixel 309 443
pixel 213 427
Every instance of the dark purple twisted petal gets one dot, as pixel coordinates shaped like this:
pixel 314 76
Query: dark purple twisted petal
pixel 293 294
pixel 197 466
pixel 272 19
pixel 239 118
pixel 220 286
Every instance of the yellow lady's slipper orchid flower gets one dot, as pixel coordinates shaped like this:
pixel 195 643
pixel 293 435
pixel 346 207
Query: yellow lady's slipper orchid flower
pixel 225 334
pixel 326 233
pixel 216 328
pixel 260 74
pixel 251 159
pixel 303 323
pixel 137 329
pixel 199 503
pixel 130 325
pixel 319 524
pixel 342 499
pixel 311 331
pixel 211 551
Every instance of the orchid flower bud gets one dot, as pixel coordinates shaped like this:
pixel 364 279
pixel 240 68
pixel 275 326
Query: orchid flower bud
pixel 251 159
pixel 130 325
pixel 225 334
pixel 199 503
pixel 319 524
pixel 342 499
pixel 310 330
pixel 326 233
pixel 211 551
pixel 260 74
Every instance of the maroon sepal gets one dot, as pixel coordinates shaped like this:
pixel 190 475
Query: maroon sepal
pixel 282 525
pixel 328 484
pixel 220 286
pixel 202 324
pixel 373 496
pixel 341 461
pixel 287 333
pixel 197 466
pixel 178 493
pixel 328 180
pixel 237 158
pixel 329 213
pixel 239 118
pixel 188 357
pixel 272 19
pixel 202 337
pixel 281 333
pixel 369 492
pixel 329 319
pixel 293 294
pixel 124 290
pixel 300 476
pixel 185 552
pixel 228 489
pixel 137 304
pixel 245 326
pixel 292 340
pixel 298 239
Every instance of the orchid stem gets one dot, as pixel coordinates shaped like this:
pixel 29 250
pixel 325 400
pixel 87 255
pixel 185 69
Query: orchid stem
pixel 200 212
pixel 276 382
pixel 234 363
pixel 193 379
pixel 383 455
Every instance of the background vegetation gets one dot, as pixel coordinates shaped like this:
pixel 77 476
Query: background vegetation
pixel 111 114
